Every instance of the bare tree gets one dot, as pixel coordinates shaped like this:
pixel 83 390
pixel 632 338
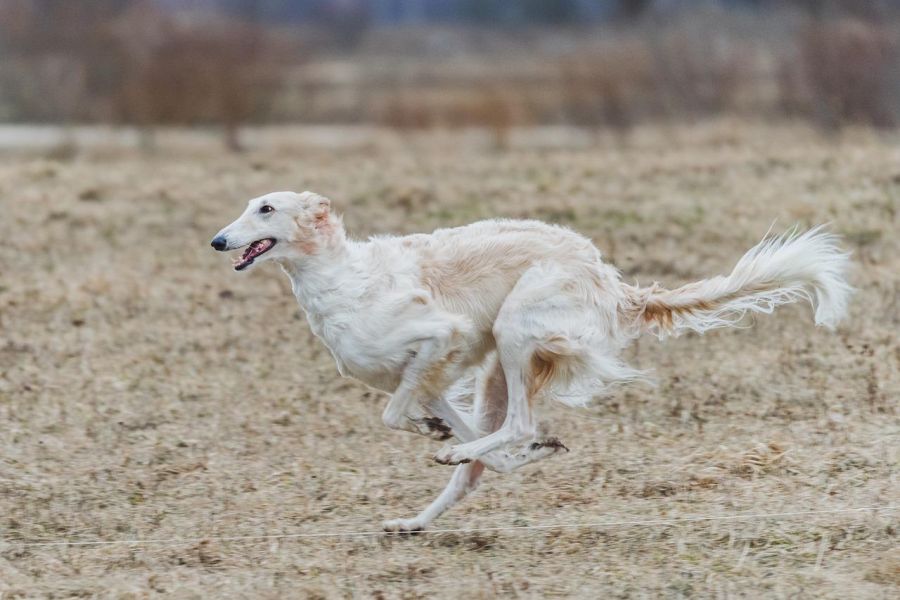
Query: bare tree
pixel 181 75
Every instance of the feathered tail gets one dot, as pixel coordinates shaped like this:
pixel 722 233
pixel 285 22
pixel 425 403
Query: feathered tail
pixel 795 266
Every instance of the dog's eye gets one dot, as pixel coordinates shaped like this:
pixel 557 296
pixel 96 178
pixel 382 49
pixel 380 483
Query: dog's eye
pixel 266 208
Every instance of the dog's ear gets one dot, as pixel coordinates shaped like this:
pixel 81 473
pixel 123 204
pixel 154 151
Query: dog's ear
pixel 321 210
pixel 321 206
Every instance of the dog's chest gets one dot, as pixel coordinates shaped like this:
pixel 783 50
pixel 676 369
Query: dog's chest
pixel 356 342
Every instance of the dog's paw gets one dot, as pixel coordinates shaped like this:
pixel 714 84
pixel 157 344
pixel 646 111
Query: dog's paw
pixel 541 449
pixel 451 455
pixel 434 428
pixel 551 443
pixel 403 526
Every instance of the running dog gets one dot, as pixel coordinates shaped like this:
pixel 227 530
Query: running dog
pixel 469 327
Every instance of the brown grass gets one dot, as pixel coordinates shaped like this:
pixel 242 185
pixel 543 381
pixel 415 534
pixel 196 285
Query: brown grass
pixel 147 391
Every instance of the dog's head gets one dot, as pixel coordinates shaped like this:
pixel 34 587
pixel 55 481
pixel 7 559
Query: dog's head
pixel 278 225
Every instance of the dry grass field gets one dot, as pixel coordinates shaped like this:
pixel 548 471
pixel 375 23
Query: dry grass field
pixel 149 392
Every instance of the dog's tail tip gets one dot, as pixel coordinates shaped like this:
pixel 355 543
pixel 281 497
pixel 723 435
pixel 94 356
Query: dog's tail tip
pixel 832 292
pixel 798 265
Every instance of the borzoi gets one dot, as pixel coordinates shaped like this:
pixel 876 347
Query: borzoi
pixel 468 327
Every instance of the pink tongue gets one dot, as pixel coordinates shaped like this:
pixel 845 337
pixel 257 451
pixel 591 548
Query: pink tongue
pixel 255 249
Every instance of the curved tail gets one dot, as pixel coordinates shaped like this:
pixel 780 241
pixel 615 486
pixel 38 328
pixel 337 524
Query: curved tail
pixel 795 266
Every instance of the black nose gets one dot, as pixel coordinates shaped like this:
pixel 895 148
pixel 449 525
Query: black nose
pixel 219 243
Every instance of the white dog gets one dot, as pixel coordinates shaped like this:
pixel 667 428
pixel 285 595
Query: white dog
pixel 468 327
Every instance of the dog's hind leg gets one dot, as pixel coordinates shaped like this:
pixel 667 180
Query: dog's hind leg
pixel 499 461
pixel 537 333
pixel 487 415
pixel 518 425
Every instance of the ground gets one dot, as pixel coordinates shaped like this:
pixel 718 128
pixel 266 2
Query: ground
pixel 147 392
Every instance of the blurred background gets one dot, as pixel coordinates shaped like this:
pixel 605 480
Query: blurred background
pixel 147 392
pixel 233 66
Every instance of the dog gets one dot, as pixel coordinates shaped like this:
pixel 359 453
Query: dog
pixel 469 327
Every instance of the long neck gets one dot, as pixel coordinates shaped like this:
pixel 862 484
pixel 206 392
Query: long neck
pixel 320 277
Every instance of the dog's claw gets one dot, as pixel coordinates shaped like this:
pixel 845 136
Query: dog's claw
pixel 551 442
pixel 451 461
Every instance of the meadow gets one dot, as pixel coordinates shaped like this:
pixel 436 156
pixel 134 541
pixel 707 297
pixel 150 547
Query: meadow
pixel 148 392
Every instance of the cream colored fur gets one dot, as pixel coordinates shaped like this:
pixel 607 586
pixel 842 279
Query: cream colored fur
pixel 469 327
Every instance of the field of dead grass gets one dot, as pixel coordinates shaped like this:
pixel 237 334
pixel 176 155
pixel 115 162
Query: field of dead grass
pixel 148 392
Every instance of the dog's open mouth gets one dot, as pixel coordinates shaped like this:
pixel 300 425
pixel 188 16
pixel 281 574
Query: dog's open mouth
pixel 253 251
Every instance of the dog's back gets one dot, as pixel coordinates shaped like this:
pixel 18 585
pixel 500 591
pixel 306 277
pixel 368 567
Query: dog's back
pixel 471 269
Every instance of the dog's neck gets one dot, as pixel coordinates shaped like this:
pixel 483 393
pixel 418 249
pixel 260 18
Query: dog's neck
pixel 319 278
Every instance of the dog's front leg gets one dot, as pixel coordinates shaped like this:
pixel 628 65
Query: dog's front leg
pixel 465 479
pixel 397 412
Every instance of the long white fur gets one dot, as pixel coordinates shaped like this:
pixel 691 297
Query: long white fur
pixel 794 266
pixel 468 327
